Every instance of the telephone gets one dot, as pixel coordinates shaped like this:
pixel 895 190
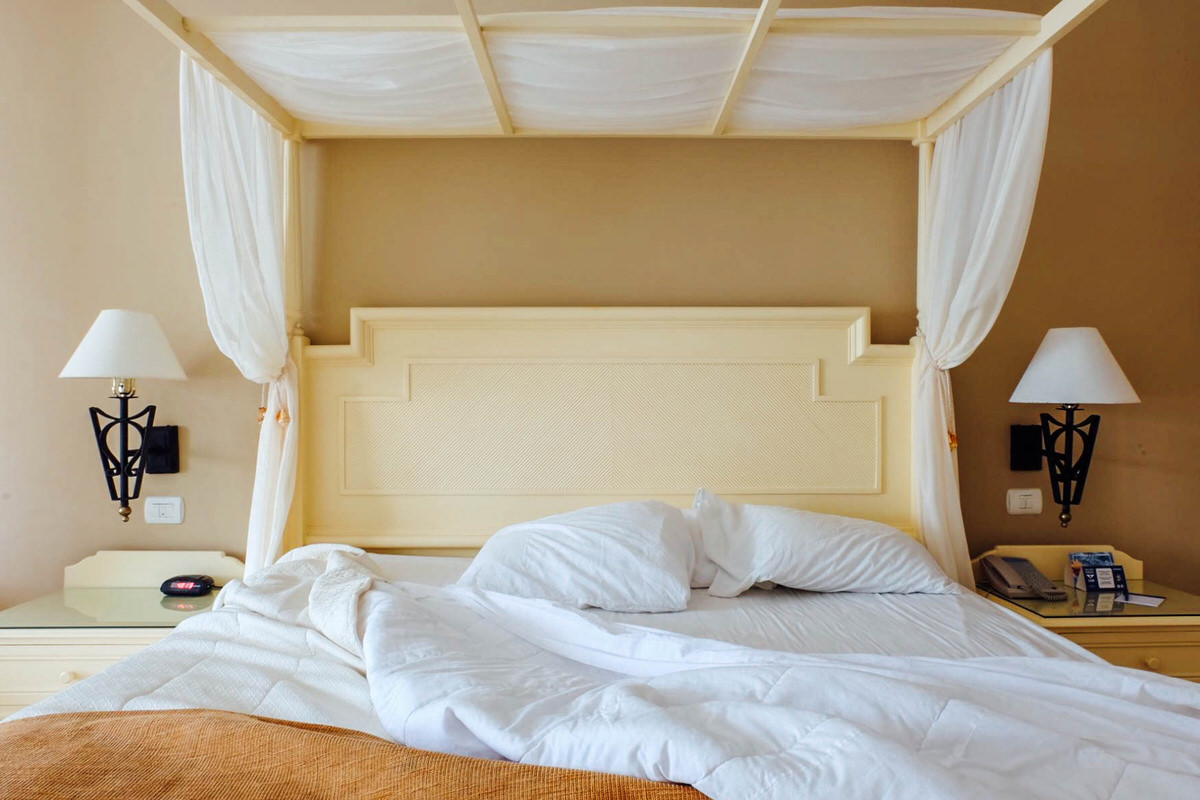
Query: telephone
pixel 1017 578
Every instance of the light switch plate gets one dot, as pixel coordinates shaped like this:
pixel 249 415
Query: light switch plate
pixel 1024 501
pixel 164 510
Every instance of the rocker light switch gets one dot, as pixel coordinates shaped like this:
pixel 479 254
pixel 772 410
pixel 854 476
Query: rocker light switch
pixel 164 510
pixel 1024 501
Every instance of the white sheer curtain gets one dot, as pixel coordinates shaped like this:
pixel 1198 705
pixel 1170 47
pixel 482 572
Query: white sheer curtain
pixel 581 82
pixel 233 169
pixel 982 188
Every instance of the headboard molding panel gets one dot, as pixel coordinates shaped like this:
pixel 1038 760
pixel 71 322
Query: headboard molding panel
pixel 435 427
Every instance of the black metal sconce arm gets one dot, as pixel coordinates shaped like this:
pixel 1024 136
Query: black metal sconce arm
pixel 1068 473
pixel 125 465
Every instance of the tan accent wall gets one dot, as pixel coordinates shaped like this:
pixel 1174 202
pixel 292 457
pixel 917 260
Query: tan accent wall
pixel 91 216
pixel 1115 243
pixel 614 222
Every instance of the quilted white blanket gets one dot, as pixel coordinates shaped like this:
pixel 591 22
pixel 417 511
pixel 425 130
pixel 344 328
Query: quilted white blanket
pixel 495 676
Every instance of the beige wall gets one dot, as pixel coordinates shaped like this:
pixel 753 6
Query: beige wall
pixel 91 216
pixel 615 222
pixel 1115 243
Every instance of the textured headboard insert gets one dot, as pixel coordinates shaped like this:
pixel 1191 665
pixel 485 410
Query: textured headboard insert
pixel 433 428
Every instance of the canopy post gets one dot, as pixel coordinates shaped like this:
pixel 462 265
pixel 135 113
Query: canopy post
pixel 163 17
pixel 1057 23
pixel 475 36
pixel 293 279
pixel 293 534
pixel 924 174
pixel 758 35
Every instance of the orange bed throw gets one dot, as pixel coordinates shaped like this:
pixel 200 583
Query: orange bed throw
pixel 131 755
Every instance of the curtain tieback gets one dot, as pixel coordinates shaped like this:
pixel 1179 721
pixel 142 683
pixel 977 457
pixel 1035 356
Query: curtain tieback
pixel 281 416
pixel 948 396
pixel 943 379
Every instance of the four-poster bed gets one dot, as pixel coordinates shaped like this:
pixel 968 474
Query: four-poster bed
pixel 907 73
pixel 433 428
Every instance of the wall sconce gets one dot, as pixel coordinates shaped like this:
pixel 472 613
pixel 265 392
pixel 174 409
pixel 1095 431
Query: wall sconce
pixel 123 346
pixel 1072 366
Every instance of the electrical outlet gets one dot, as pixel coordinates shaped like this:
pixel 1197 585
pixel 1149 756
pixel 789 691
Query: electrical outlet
pixel 164 510
pixel 1024 501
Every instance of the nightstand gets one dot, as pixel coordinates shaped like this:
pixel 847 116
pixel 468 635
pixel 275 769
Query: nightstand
pixel 110 607
pixel 1164 639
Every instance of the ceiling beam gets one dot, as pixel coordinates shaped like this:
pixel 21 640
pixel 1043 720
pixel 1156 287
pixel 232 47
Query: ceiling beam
pixel 905 131
pixel 163 17
pixel 301 23
pixel 470 23
pixel 754 43
pixel 1058 22
pixel 626 24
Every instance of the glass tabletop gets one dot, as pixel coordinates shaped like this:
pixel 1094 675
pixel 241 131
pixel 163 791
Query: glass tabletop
pixel 1107 604
pixel 104 608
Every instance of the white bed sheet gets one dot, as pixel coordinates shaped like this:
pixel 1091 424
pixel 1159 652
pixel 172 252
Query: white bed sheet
pixel 249 663
pixel 323 637
pixel 940 626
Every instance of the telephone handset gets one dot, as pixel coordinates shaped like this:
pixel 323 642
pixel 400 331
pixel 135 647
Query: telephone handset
pixel 1017 578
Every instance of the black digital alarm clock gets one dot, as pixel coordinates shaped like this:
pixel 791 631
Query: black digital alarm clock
pixel 187 586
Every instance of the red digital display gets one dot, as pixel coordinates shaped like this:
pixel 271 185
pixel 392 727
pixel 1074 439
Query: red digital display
pixel 184 584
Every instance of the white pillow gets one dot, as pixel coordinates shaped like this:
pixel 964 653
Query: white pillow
pixel 704 569
pixel 805 550
pixel 620 557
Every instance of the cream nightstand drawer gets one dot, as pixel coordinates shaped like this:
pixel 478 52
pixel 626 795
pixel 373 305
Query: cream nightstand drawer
pixel 1175 654
pixel 49 669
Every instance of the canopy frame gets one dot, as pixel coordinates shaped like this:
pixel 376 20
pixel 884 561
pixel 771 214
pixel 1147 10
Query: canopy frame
pixel 190 34
pixel 190 37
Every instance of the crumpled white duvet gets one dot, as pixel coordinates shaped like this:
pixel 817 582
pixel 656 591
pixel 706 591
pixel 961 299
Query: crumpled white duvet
pixel 490 675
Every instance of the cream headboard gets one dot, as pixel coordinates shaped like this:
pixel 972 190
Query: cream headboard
pixel 435 427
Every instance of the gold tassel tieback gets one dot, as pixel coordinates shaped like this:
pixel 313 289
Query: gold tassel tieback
pixel 262 404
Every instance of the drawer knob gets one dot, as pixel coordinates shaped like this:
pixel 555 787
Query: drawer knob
pixel 1152 663
pixel 67 676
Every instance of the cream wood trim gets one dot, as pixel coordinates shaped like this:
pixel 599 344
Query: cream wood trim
pixel 619 24
pixel 906 131
pixel 163 17
pixel 364 322
pixel 754 43
pixel 371 377
pixel 293 240
pixel 148 568
pixel 1057 23
pixel 293 531
pixel 470 23
pixel 284 23
pixel 25 641
pixel 924 174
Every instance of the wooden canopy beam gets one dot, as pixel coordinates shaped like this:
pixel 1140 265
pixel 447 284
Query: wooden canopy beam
pixel 1057 23
pixel 903 131
pixel 163 17
pixel 470 23
pixel 754 43
pixel 618 24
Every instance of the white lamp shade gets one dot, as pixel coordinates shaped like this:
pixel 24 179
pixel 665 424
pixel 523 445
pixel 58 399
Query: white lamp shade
pixel 124 344
pixel 1074 365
